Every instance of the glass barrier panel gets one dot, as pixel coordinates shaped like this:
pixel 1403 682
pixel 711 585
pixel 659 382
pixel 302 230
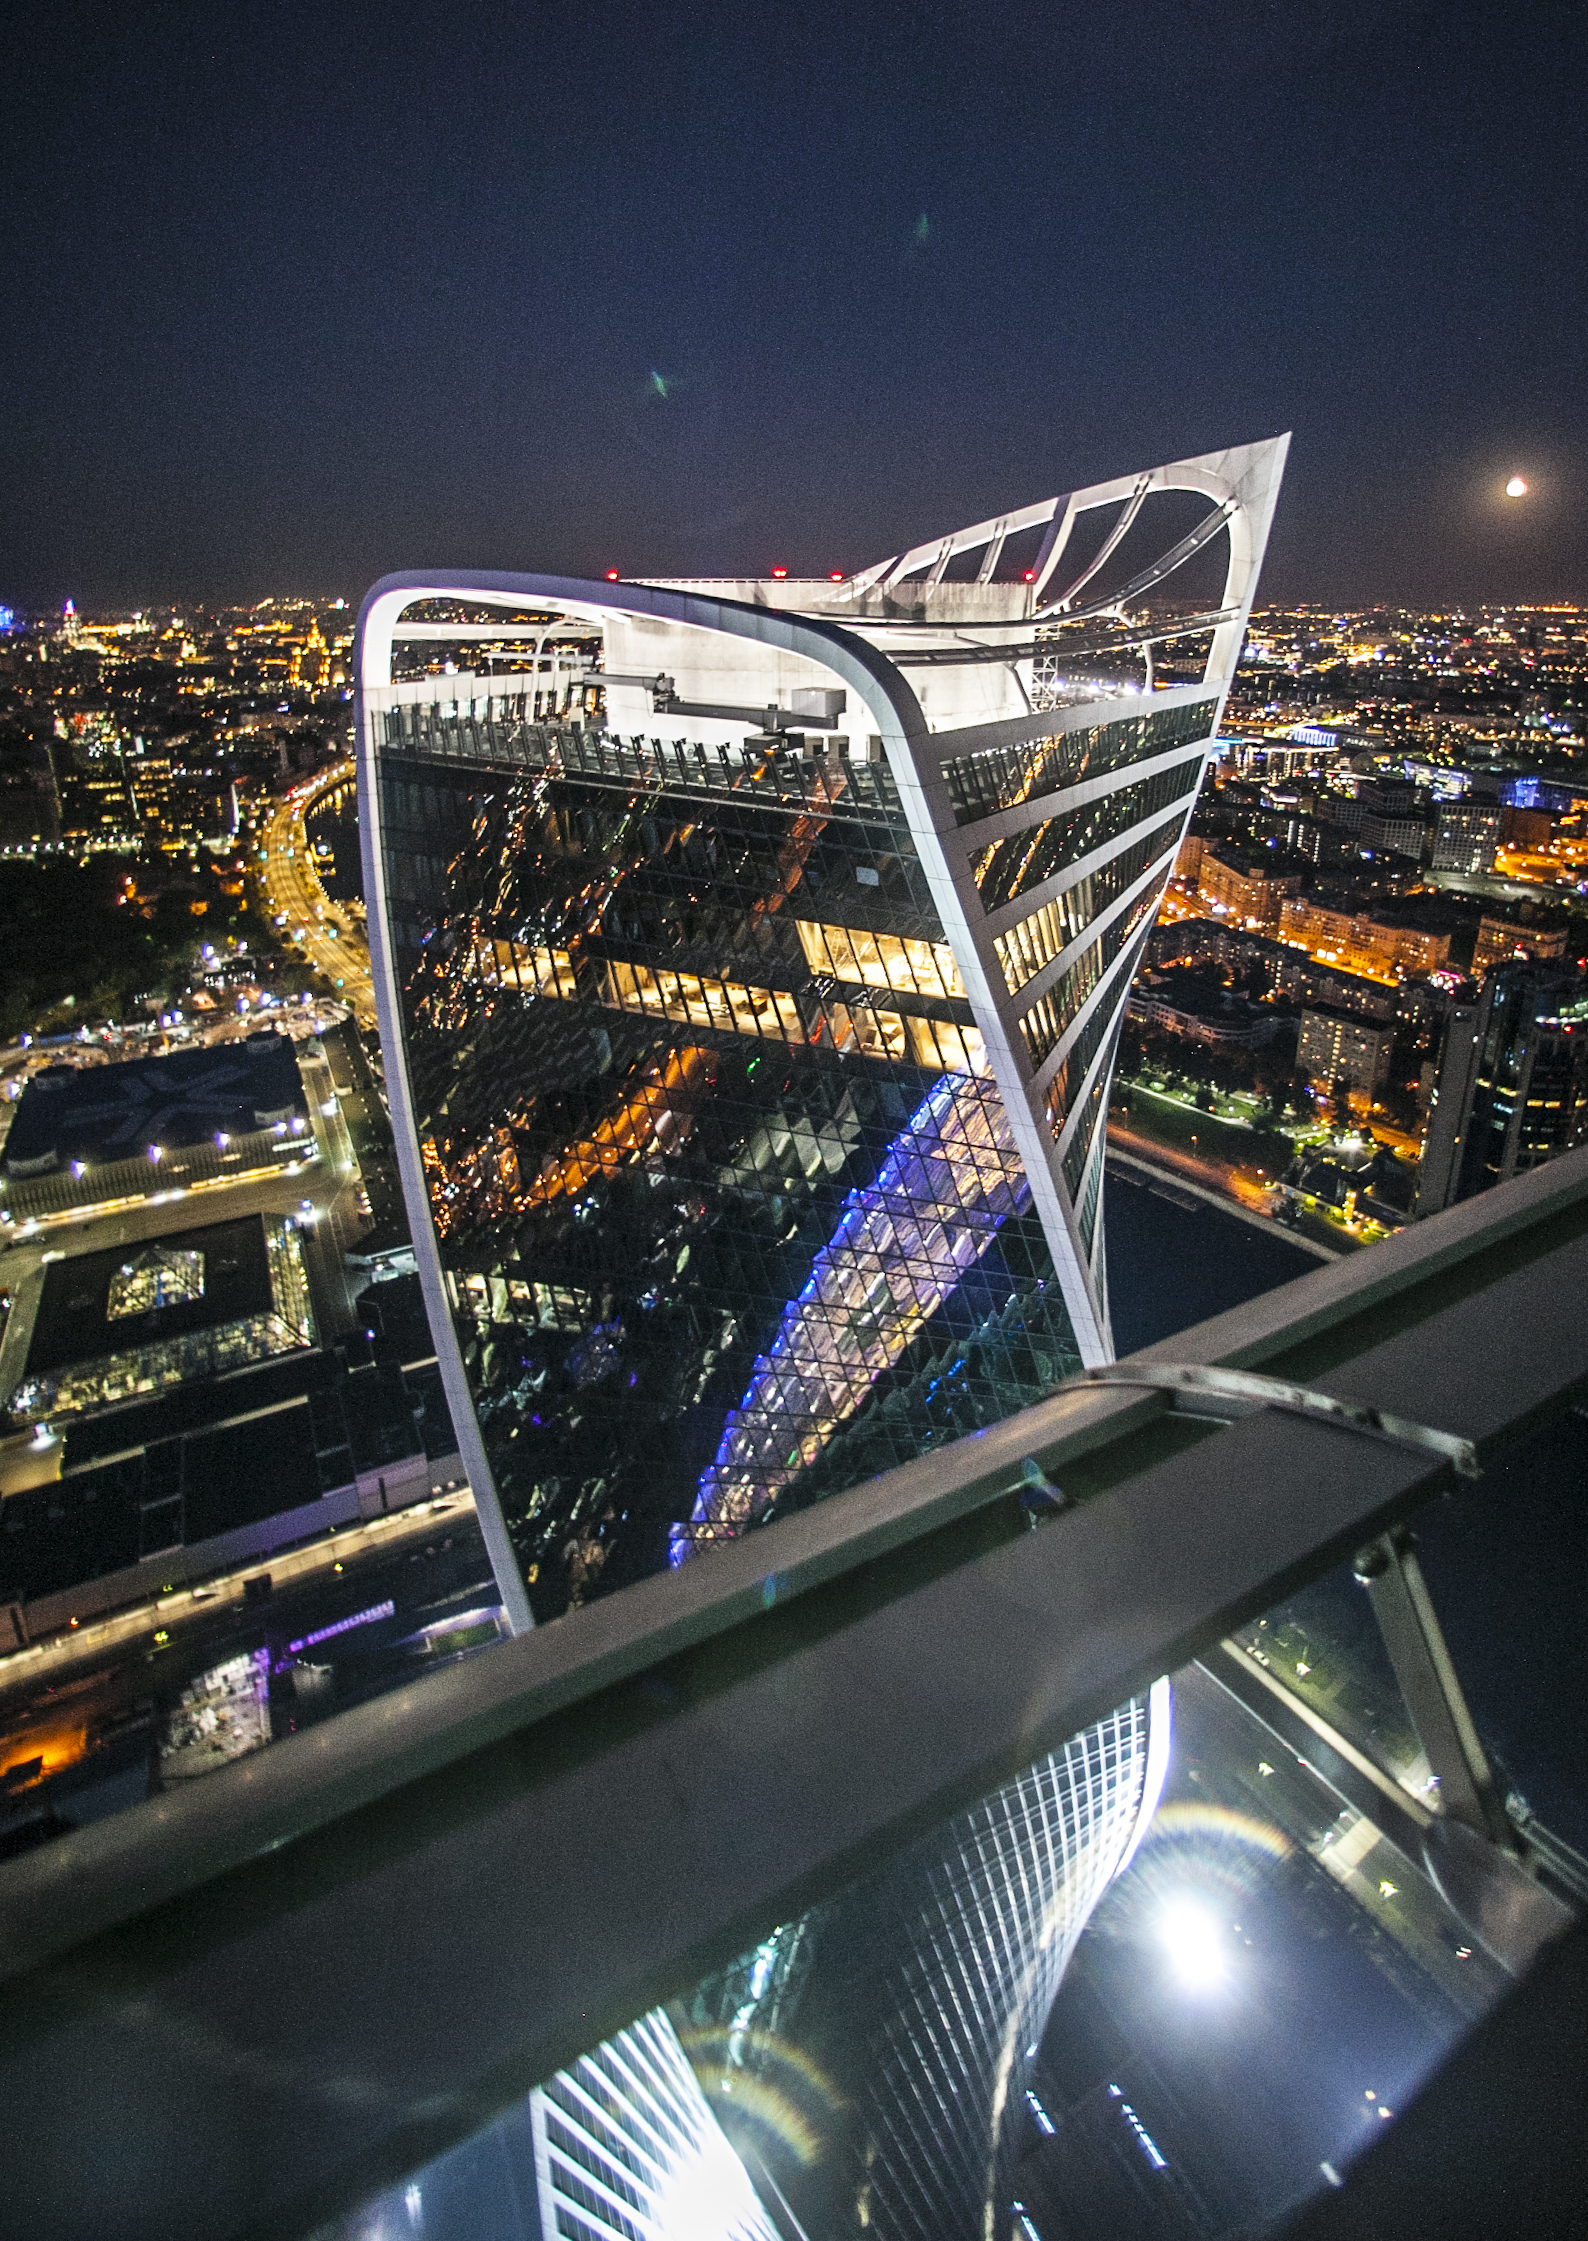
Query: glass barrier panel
pixel 1087 2006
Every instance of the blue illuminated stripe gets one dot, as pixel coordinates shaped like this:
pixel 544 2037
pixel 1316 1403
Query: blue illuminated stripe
pixel 359 1618
pixel 948 1182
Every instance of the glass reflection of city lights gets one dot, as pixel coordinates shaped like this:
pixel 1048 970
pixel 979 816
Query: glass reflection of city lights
pixel 1190 1937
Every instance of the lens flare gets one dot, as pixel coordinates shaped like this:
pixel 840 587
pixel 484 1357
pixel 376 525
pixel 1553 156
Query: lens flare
pixel 1186 1818
pixel 1190 1937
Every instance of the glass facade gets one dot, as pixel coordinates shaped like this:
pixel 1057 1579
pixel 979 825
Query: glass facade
pixel 1045 1022
pixel 1073 1069
pixel 1007 868
pixel 1035 941
pixel 761 1152
pixel 730 1120
pixel 728 1205
pixel 1003 777
pixel 863 2070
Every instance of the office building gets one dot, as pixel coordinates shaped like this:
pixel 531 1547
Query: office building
pixel 1185 1004
pixel 1364 942
pixel 1466 835
pixel 750 960
pixel 748 1088
pixel 86 1136
pixel 1512 1087
pixel 1500 940
pixel 1391 823
pixel 1284 971
pixel 127 1322
pixel 1243 887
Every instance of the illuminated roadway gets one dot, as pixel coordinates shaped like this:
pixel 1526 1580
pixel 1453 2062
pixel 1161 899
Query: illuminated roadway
pixel 328 933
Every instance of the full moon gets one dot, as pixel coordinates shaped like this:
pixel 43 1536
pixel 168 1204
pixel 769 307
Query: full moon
pixel 1516 487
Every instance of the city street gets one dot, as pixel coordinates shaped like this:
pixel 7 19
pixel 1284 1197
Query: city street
pixel 328 933
pixel 211 1610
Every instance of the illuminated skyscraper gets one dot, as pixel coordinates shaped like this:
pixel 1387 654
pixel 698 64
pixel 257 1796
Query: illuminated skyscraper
pixel 1512 1087
pixel 750 959
pixel 860 2072
pixel 898 2026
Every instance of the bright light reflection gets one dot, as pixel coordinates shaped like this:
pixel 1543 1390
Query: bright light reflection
pixel 1190 1937
pixel 707 2198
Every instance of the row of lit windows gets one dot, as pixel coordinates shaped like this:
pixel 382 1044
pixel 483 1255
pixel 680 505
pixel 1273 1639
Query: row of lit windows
pixel 1051 1014
pixel 1037 940
pixel 1076 1060
pixel 535 969
pixel 1003 777
pixel 896 961
pixel 936 1044
pixel 866 1030
pixel 703 1002
pixel 1010 867
pixel 1049 1017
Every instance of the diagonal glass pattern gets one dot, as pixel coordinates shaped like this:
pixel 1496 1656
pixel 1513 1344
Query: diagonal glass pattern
pixel 1012 867
pixel 691 1142
pixel 901 1247
pixel 739 1167
pixel 864 2068
pixel 1003 777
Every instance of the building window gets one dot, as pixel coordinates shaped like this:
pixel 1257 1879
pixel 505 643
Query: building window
pixel 1012 867
pixel 896 961
pixel 1003 777
pixel 160 1277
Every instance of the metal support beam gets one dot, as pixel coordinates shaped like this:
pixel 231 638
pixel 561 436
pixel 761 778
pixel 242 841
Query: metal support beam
pixel 1426 1676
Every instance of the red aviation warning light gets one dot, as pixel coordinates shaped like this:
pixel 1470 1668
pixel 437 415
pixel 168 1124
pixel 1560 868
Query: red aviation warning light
pixel 780 573
pixel 612 575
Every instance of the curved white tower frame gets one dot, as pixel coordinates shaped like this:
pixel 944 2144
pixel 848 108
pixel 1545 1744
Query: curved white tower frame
pixel 996 758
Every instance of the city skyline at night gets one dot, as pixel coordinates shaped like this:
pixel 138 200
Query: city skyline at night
pixel 256 338
pixel 790 1348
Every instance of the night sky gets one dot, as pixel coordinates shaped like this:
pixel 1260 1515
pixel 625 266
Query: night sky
pixel 295 295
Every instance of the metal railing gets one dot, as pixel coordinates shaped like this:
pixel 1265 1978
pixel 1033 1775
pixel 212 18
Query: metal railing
pixel 302 1977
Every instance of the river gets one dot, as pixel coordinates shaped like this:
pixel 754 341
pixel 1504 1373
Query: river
pixel 1175 1261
